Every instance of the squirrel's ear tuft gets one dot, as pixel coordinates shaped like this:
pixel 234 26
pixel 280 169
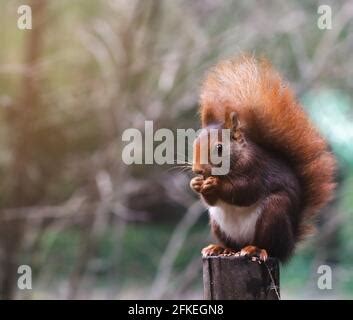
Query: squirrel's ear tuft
pixel 234 121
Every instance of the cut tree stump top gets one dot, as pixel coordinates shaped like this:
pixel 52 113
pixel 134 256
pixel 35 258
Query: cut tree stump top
pixel 240 278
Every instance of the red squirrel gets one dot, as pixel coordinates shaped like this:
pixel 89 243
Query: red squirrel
pixel 281 172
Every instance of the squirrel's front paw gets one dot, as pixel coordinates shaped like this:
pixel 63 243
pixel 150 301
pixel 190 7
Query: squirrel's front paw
pixel 196 184
pixel 209 185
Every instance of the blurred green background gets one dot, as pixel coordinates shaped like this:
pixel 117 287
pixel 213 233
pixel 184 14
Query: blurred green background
pixel 91 226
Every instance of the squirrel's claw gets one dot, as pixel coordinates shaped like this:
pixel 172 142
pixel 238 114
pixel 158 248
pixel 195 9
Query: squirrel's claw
pixel 212 250
pixel 217 250
pixel 254 252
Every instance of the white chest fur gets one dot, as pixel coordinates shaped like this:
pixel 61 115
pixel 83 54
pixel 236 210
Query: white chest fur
pixel 238 223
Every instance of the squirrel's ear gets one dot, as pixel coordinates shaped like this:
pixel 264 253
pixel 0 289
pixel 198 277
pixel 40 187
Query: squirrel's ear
pixel 235 126
pixel 234 121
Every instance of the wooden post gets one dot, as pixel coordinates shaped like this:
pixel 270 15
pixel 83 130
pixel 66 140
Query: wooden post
pixel 240 278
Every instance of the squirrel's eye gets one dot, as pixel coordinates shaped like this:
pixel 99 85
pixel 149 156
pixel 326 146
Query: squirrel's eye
pixel 219 149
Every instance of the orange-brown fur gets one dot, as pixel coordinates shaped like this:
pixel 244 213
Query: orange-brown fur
pixel 272 117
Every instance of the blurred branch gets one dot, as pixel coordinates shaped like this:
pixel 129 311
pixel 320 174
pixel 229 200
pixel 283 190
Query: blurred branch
pixel 186 278
pixel 24 190
pixel 172 250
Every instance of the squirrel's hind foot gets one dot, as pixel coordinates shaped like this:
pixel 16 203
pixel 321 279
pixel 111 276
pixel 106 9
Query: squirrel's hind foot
pixel 254 253
pixel 217 250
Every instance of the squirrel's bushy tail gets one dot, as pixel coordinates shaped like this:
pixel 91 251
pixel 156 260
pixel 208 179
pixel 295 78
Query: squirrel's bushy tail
pixel 272 117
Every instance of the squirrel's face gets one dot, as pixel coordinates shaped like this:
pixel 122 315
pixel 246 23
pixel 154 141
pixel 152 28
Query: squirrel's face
pixel 214 145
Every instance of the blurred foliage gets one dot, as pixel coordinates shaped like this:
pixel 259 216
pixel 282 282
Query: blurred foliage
pixel 332 112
